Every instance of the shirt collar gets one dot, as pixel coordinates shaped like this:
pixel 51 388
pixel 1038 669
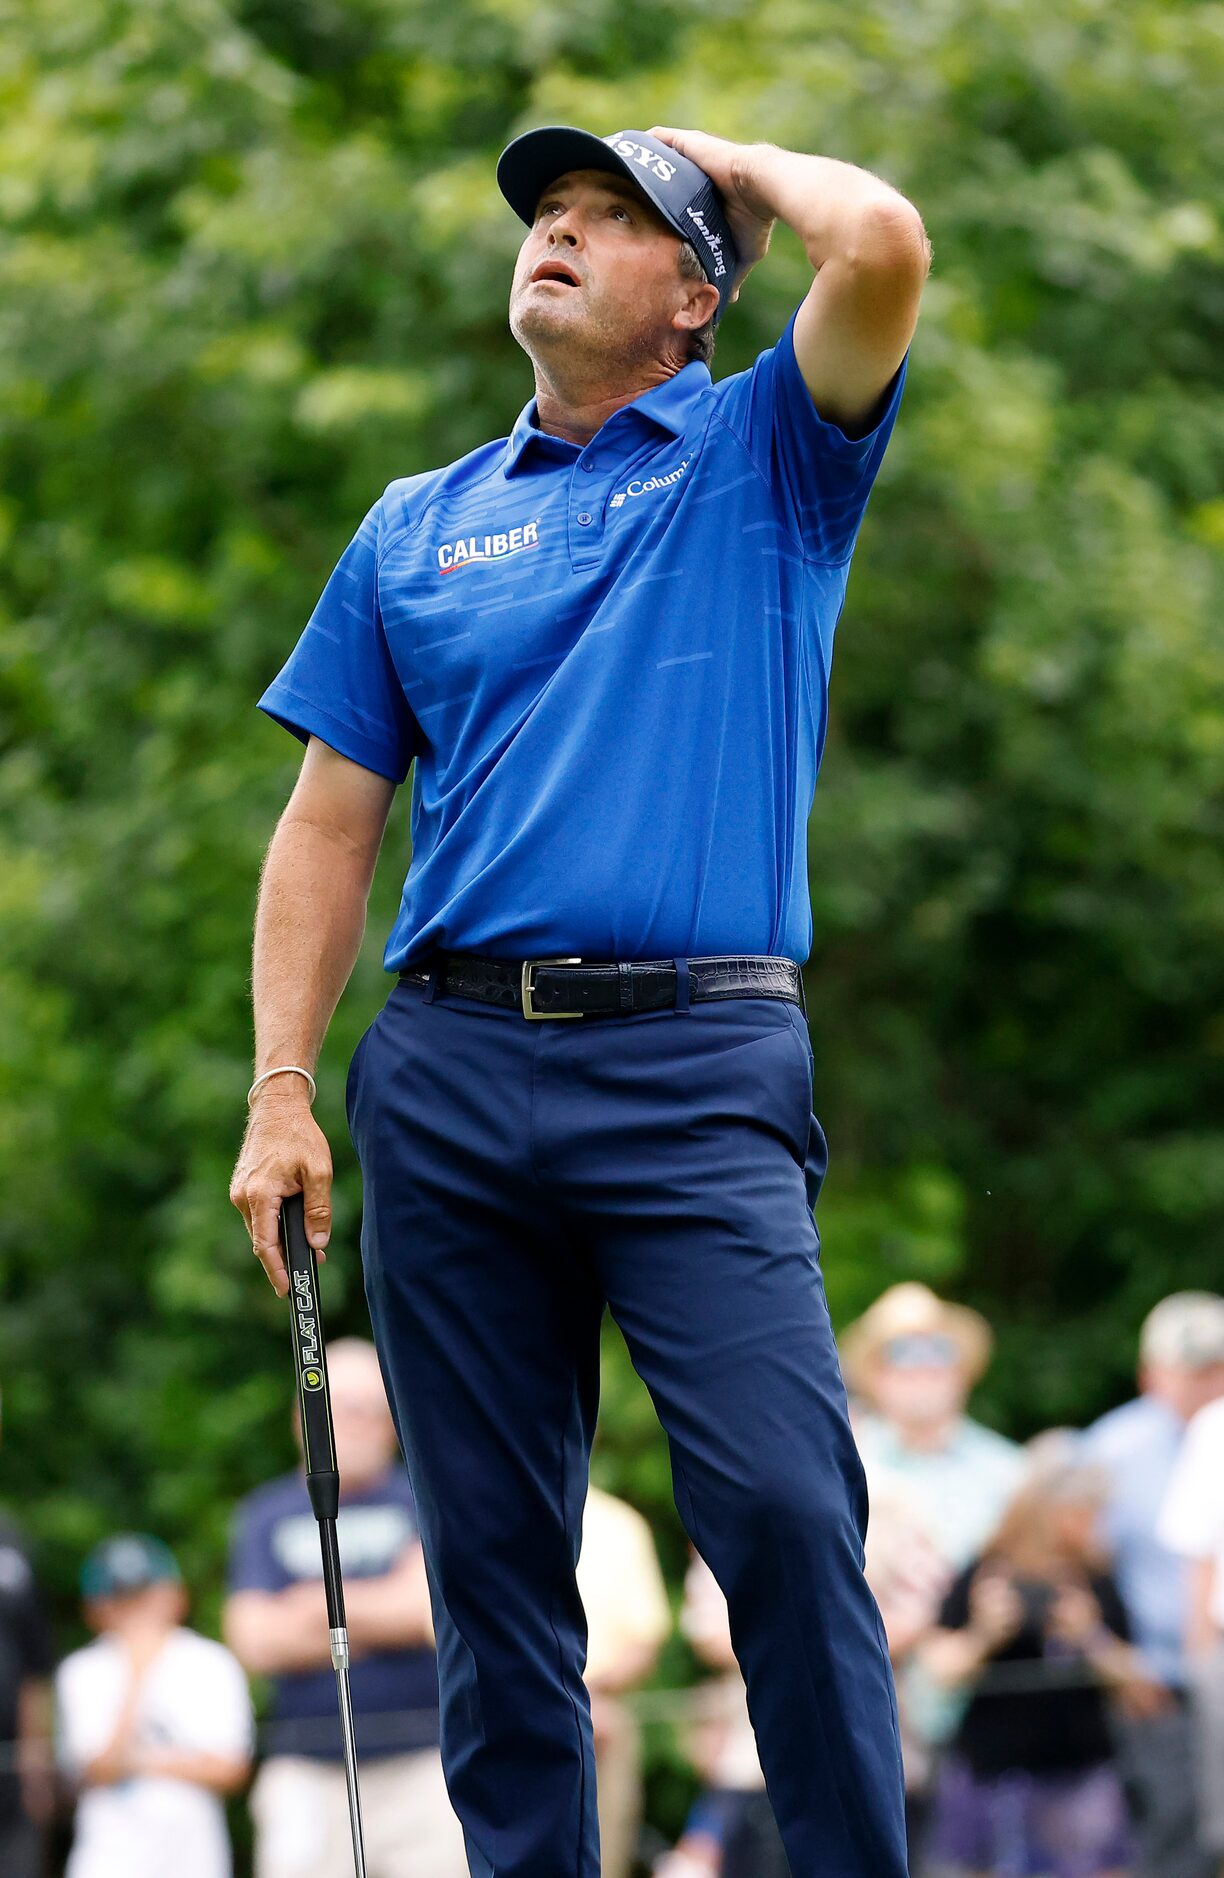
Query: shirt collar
pixel 668 407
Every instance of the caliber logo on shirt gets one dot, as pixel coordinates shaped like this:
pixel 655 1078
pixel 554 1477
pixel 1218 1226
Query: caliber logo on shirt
pixel 453 555
pixel 648 485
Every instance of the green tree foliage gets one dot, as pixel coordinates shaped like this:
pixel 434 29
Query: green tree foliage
pixel 253 265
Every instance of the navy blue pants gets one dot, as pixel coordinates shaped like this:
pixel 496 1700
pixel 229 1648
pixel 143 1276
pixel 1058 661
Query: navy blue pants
pixel 518 1176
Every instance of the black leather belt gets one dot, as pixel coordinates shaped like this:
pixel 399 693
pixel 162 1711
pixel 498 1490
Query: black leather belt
pixel 541 988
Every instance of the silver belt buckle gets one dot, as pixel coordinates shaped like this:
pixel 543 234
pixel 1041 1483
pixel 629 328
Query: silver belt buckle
pixel 530 968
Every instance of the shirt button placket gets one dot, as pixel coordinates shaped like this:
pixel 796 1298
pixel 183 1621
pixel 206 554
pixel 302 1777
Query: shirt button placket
pixel 586 513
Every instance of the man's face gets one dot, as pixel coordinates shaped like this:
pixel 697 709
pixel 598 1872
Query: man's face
pixel 918 1381
pixel 365 1433
pixel 599 273
pixel 157 1607
pixel 1185 1390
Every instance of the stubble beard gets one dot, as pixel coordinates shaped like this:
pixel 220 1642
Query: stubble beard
pixel 588 338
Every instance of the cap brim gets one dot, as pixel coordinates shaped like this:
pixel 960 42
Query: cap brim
pixel 528 165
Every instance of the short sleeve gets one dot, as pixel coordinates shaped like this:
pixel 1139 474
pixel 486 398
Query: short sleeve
pixel 221 1717
pixel 340 683
pixel 253 1565
pixel 85 1711
pixel 820 478
pixel 1191 1519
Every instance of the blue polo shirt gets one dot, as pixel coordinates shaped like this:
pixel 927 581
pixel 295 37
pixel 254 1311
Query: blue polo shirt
pixel 610 664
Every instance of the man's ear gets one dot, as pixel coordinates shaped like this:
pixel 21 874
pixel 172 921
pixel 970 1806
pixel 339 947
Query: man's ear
pixel 700 305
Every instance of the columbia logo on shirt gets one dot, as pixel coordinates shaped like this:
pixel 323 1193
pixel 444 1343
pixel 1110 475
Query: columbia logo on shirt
pixel 647 487
pixel 453 555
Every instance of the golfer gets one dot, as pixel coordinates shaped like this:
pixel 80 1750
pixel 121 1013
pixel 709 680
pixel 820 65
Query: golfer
pixel 604 641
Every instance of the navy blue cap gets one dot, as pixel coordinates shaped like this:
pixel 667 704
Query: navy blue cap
pixel 683 194
pixel 131 1561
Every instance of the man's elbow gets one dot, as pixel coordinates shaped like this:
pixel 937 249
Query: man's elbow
pixel 232 1775
pixel 891 238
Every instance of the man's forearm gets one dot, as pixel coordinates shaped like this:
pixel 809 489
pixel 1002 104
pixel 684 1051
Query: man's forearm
pixel 308 930
pixel 391 1612
pixel 216 1773
pixel 308 927
pixel 835 208
pixel 1202 1632
pixel 278 1633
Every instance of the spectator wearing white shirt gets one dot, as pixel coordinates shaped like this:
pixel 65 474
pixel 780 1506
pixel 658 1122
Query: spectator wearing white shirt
pixel 1181 1368
pixel 1192 1523
pixel 155 1726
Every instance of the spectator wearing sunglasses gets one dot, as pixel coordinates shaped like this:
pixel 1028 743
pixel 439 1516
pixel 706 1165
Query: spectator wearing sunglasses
pixel 940 1478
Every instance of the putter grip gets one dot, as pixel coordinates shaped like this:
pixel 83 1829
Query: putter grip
pixel 310 1361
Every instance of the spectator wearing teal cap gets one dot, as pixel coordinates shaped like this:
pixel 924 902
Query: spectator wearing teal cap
pixel 154 1723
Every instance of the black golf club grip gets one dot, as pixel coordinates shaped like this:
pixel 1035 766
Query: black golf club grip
pixel 310 1360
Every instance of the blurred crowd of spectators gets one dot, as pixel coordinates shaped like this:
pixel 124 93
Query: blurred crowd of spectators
pixel 1055 1615
pixel 1047 1608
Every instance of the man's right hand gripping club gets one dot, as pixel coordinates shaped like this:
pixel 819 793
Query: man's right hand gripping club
pixel 284 1151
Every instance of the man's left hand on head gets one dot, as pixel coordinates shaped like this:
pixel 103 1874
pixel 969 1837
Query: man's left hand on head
pixel 729 167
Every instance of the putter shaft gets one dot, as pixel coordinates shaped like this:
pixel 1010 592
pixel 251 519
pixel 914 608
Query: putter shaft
pixel 350 1754
pixel 322 1476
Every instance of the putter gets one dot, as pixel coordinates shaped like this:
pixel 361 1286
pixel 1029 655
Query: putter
pixel 322 1474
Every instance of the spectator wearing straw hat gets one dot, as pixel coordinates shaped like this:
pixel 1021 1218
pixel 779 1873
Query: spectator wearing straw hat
pixel 912 1360
pixel 1181 1369
pixel 936 1477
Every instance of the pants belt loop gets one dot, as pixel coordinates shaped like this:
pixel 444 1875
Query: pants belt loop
pixel 626 987
pixel 433 967
pixel 682 986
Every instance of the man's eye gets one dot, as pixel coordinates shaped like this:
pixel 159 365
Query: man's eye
pixel 622 212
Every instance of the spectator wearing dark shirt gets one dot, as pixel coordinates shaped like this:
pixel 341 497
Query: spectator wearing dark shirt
pixel 1035 1634
pixel 26 1663
pixel 276 1623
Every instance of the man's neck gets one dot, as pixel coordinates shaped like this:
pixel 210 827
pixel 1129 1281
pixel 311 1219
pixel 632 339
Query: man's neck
pixel 356 1486
pixel 927 1437
pixel 567 407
